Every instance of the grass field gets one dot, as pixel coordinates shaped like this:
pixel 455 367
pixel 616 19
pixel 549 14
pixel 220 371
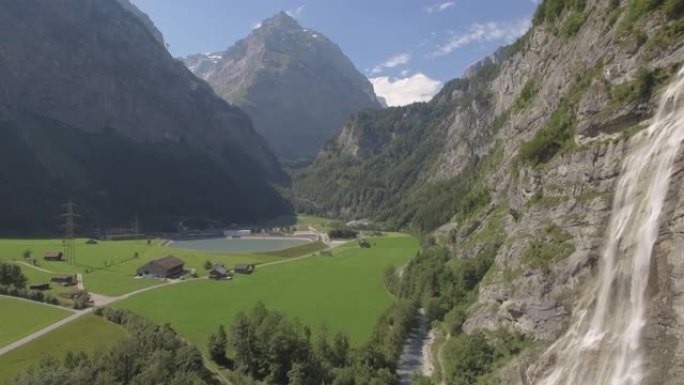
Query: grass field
pixel 108 267
pixel 20 318
pixel 87 334
pixel 345 292
pixel 318 223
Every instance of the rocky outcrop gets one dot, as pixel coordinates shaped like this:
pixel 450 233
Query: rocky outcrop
pixel 144 19
pixel 296 84
pixel 496 58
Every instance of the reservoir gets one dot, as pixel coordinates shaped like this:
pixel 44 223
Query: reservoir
pixel 239 245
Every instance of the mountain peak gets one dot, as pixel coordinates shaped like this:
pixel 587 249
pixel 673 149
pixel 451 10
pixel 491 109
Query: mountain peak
pixel 295 83
pixel 279 21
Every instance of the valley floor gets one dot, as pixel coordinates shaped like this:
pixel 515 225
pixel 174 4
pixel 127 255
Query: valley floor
pixel 343 291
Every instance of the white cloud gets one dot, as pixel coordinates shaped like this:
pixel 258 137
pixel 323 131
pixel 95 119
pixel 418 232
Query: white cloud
pixel 295 12
pixel 394 61
pixel 256 25
pixel 405 73
pixel 403 91
pixel 484 32
pixel 439 7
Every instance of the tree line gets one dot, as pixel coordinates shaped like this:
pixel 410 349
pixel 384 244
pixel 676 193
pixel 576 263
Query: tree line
pixel 151 355
pixel 269 347
pixel 13 283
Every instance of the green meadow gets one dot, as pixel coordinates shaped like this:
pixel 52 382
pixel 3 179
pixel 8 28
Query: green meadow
pixel 89 333
pixel 343 292
pixel 108 267
pixel 20 318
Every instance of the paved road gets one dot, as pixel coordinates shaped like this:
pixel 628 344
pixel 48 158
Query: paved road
pixel 34 267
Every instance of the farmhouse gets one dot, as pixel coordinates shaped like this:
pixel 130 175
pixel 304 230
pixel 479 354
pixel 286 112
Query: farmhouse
pixel 53 256
pixel 244 269
pixel 167 267
pixel 218 271
pixel 66 280
pixel 40 286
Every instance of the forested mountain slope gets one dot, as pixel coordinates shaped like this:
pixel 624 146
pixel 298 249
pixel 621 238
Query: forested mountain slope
pixel 93 108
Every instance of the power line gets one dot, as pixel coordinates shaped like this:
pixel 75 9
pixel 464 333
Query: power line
pixel 69 242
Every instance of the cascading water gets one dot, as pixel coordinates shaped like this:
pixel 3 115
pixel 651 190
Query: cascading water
pixel 603 344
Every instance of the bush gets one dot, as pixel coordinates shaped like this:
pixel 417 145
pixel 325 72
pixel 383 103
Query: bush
pixel 553 244
pixel 11 275
pixel 674 8
pixel 641 88
pixel 526 97
pixel 546 142
pixel 549 10
pixel 573 24
pixel 636 9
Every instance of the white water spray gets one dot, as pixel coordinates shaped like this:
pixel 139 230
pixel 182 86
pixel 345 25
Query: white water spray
pixel 603 345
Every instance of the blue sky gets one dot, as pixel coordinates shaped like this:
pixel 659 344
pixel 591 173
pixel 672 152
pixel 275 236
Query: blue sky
pixel 408 48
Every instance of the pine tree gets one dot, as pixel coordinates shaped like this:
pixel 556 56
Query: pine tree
pixel 217 345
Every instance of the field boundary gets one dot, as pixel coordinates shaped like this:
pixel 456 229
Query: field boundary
pixel 38 303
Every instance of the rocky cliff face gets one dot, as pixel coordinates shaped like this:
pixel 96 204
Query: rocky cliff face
pixel 545 131
pixel 296 84
pixel 144 19
pixel 92 71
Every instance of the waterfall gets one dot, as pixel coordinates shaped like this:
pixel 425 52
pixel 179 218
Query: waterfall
pixel 603 344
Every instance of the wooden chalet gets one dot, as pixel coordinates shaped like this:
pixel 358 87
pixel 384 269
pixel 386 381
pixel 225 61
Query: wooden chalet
pixel 167 267
pixel 218 272
pixel 64 280
pixel 53 256
pixel 244 269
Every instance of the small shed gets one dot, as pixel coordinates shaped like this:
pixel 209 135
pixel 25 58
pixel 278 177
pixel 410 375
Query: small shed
pixel 65 280
pixel 53 256
pixel 244 269
pixel 167 267
pixel 40 286
pixel 218 271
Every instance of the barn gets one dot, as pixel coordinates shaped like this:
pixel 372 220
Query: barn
pixel 244 269
pixel 53 256
pixel 65 280
pixel 167 267
pixel 219 272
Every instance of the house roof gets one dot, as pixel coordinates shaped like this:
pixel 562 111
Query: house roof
pixel 53 253
pixel 220 269
pixel 243 267
pixel 169 262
